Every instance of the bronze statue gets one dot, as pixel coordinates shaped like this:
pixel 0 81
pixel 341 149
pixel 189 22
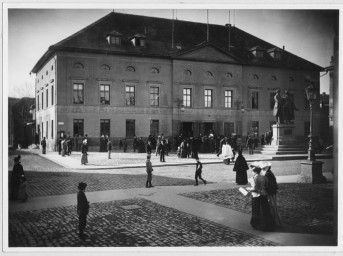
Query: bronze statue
pixel 283 108
pixel 277 112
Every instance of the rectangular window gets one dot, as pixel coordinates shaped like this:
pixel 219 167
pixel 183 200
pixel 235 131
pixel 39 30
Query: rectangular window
pixel 52 129
pixel 42 129
pixel 47 98
pixel 42 100
pixel 154 127
pixel 104 94
pixel 115 40
pixel 78 126
pixel 208 98
pixel 78 93
pixel 154 96
pixel 47 129
pixel 271 100
pixel 254 100
pixel 254 128
pixel 228 99
pixel 130 95
pixel 130 128
pixel 52 95
pixel 187 97
pixel 229 128
pixel 38 102
pixel 105 127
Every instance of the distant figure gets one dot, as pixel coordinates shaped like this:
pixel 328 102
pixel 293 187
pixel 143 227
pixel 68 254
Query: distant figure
pixel 241 168
pixel 250 145
pixel 109 147
pixel 198 171
pixel 84 151
pixel 125 145
pixel 149 171
pixel 135 143
pixel 277 112
pixel 162 150
pixel 148 147
pixel 82 209
pixel 43 143
pixel 120 144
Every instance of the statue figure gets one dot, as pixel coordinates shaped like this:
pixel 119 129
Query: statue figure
pixel 277 112
pixel 288 108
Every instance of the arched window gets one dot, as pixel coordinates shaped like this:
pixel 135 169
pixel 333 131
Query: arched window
pixel 187 72
pixel 255 76
pixel 208 74
pixel 130 69
pixel 52 67
pixel 155 70
pixel 105 67
pixel 229 75
pixel 78 65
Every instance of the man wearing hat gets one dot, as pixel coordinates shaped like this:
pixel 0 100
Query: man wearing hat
pixel 82 208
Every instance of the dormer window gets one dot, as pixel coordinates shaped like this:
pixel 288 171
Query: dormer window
pixel 275 53
pixel 138 40
pixel 114 38
pixel 257 51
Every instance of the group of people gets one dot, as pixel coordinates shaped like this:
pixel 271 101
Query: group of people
pixel 263 191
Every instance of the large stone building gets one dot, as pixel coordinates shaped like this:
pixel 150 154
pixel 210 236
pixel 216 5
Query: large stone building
pixel 128 74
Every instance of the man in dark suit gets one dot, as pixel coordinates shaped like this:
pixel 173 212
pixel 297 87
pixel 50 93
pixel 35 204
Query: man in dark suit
pixel 82 209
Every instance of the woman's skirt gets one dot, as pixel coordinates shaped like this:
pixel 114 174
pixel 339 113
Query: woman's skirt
pixel 274 209
pixel 84 158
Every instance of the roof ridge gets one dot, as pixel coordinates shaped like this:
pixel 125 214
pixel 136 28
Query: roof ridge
pixel 82 30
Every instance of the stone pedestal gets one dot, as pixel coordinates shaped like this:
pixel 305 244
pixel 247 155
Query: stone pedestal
pixel 311 172
pixel 283 135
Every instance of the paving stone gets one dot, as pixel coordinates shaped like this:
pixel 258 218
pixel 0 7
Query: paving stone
pixel 173 229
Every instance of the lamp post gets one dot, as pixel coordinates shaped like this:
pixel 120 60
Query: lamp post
pixel 311 94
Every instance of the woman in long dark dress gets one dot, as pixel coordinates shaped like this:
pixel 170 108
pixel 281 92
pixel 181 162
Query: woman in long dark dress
pixel 17 173
pixel 241 168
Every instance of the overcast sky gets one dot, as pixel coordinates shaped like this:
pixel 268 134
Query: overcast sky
pixel 306 33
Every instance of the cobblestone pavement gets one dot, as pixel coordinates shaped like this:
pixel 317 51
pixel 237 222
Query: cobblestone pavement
pixel 60 183
pixel 129 223
pixel 307 207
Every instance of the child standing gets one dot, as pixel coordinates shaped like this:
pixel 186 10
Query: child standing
pixel 149 171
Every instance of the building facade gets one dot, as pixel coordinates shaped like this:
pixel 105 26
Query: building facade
pixel 162 76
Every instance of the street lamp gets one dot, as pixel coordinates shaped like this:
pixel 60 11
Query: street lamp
pixel 311 94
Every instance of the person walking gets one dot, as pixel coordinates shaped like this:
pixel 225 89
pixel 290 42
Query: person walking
pixel 82 209
pixel 261 217
pixel 149 171
pixel 272 188
pixel 109 147
pixel 64 147
pixel 241 168
pixel 43 143
pixel 69 145
pixel 84 151
pixel 17 173
pixel 198 171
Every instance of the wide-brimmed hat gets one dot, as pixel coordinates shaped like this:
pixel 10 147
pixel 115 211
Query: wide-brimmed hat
pixel 82 185
pixel 264 164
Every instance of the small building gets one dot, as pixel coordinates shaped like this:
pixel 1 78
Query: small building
pixel 127 75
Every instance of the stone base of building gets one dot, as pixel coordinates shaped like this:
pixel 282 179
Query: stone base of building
pixel 283 134
pixel 311 172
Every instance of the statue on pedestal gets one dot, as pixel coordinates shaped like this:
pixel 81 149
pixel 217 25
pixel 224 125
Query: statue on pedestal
pixel 283 108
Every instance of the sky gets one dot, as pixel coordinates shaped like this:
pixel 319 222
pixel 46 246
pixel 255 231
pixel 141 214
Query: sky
pixel 305 33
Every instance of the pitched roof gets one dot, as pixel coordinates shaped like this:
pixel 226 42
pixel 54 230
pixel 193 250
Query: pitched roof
pixel 158 32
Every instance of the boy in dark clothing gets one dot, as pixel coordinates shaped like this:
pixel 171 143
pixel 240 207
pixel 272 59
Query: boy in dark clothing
pixel 198 170
pixel 82 208
pixel 162 149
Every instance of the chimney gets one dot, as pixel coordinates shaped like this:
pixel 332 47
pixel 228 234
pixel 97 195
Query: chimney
pixel 283 47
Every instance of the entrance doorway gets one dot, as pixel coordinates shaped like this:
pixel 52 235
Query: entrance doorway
pixel 187 129
pixel 208 128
